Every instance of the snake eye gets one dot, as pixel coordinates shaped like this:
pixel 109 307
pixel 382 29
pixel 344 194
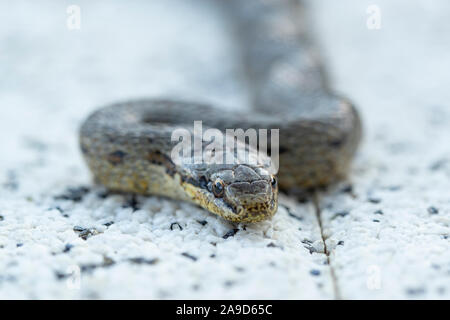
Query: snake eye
pixel 273 181
pixel 218 188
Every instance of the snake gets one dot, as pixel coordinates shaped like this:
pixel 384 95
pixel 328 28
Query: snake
pixel 128 145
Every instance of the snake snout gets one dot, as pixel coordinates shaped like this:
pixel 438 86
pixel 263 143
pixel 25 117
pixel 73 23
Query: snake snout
pixel 252 201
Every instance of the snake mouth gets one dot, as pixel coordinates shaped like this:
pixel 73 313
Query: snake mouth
pixel 256 212
pixel 252 207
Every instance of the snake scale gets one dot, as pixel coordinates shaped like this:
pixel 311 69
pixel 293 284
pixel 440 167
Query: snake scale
pixel 128 145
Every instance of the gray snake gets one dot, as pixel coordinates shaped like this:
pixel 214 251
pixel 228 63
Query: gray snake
pixel 127 145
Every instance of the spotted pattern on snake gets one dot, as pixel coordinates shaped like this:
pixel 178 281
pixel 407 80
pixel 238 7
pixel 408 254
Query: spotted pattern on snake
pixel 127 145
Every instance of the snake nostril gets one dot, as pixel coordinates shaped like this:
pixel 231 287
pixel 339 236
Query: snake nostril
pixel 239 210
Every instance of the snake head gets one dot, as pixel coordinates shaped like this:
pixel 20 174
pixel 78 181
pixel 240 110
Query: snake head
pixel 239 193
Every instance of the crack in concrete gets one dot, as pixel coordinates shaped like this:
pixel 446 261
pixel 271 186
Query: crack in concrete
pixel 317 209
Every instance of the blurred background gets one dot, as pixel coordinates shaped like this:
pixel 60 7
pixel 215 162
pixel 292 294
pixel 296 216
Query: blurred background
pixel 385 236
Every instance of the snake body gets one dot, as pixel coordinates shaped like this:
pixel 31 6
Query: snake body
pixel 128 145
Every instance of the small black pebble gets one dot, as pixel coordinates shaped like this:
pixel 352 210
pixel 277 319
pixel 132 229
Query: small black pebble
pixel 374 200
pixel 140 260
pixel 212 256
pixel 202 222
pixel 271 245
pixel 2 218
pixel 60 275
pixel 340 243
pixel 375 220
pixel 379 212
pixel 175 224
pixel 19 245
pixel 84 233
pixel 347 189
pixel 110 223
pixel 67 247
pixel 433 210
pixel 230 233
pixel 340 214
pixel 315 272
pixel 73 194
pixel 103 195
pixel 187 255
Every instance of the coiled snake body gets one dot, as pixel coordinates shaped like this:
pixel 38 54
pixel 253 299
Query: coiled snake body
pixel 128 145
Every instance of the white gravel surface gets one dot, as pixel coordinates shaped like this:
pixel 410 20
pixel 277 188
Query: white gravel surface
pixel 386 236
pixel 396 232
